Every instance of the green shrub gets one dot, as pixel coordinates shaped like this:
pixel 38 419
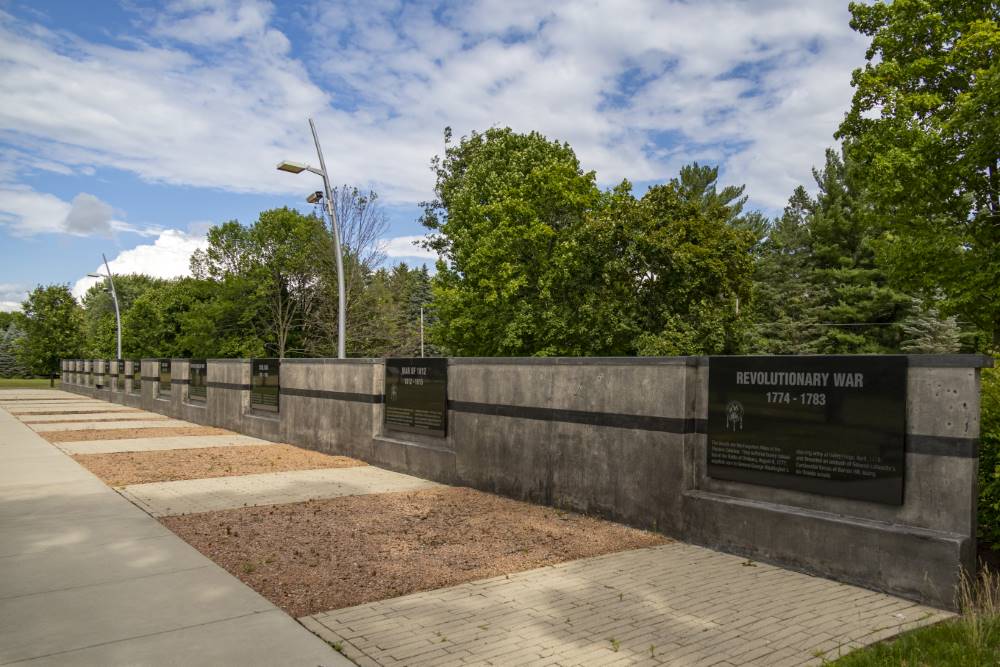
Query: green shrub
pixel 989 459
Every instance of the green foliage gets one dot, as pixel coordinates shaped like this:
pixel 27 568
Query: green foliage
pixel 819 287
pixel 926 332
pixel 538 261
pixel 99 312
pixel 989 458
pixel 391 301
pixel 52 322
pixel 946 644
pixel 925 120
pixel 10 338
pixel 276 264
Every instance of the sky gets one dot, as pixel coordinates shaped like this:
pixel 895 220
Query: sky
pixel 129 127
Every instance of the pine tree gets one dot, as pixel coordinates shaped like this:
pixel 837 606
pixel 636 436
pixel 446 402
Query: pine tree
pixel 820 289
pixel 926 332
pixel 10 367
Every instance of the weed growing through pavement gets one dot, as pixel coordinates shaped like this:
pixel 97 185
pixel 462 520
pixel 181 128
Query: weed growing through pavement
pixel 652 650
pixel 615 644
pixel 249 568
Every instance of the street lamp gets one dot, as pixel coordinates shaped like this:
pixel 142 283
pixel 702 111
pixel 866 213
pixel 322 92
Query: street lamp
pixel 114 296
pixel 298 168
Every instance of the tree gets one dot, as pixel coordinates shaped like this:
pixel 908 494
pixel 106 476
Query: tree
pixel 362 223
pixel 99 311
pixel 820 289
pixel 503 201
pixel 53 329
pixel 278 263
pixel 535 259
pixel 10 338
pixel 192 317
pixel 925 120
pixel 926 332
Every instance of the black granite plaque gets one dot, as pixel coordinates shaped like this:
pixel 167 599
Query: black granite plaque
pixel 163 387
pixel 265 384
pixel 416 395
pixel 197 380
pixel 832 425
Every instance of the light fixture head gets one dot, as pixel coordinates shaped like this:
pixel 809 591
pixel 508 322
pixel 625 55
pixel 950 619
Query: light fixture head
pixel 315 197
pixel 291 167
pixel 94 275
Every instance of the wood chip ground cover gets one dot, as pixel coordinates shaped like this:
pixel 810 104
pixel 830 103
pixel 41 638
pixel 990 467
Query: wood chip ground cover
pixel 123 468
pixel 328 554
pixel 130 433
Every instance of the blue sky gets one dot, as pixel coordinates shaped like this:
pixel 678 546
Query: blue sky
pixel 127 127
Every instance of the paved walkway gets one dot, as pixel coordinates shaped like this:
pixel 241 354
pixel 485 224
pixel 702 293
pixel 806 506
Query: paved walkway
pixel 107 415
pixel 275 488
pixel 675 604
pixel 86 578
pixel 158 444
pixel 149 422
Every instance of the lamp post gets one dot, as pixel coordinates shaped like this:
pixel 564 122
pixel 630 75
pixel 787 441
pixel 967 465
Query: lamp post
pixel 298 168
pixel 114 296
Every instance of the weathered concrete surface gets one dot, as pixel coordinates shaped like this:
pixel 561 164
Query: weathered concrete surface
pixel 122 415
pixel 675 604
pixel 223 493
pixel 80 409
pixel 87 578
pixel 158 444
pixel 625 438
pixel 115 425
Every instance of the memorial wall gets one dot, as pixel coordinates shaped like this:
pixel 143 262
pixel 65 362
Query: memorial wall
pixel 858 468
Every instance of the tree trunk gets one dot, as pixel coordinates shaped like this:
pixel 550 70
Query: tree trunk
pixel 52 380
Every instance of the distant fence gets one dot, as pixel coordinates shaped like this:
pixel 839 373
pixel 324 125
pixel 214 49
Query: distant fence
pixel 862 469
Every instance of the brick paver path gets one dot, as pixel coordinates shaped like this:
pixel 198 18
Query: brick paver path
pixel 158 444
pixel 675 604
pixel 276 488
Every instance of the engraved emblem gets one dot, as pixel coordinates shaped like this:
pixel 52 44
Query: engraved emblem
pixel 734 416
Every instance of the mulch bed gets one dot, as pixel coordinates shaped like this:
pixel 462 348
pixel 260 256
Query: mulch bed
pixel 123 468
pixel 328 554
pixel 84 420
pixel 130 433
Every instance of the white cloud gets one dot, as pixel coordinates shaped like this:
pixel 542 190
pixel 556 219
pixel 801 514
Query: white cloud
pixel 11 296
pixel 88 215
pixel 759 87
pixel 209 22
pixel 168 256
pixel 405 246
pixel 26 212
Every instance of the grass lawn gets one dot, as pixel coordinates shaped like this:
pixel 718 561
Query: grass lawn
pixel 30 383
pixel 970 641
pixel 949 644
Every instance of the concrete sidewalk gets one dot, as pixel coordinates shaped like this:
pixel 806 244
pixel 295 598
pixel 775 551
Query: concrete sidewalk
pixel 86 578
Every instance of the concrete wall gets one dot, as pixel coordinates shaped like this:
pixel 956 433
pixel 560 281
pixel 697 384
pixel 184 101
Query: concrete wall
pixel 625 438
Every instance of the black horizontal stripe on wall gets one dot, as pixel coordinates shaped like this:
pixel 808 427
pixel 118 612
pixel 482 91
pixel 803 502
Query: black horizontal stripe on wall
pixel 609 419
pixel 228 385
pixel 941 445
pixel 354 397
pixel 155 378
pixel 179 381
